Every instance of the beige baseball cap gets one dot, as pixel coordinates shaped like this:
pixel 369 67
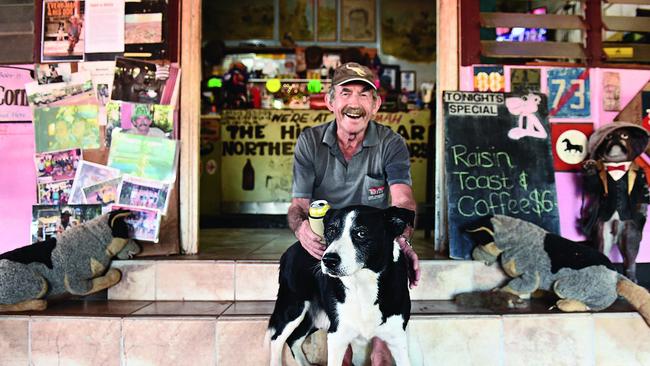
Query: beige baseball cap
pixel 353 71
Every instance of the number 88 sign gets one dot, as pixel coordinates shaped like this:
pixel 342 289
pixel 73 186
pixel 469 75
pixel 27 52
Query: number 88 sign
pixel 568 92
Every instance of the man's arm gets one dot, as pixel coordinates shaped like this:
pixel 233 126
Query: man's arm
pixel 299 224
pixel 401 195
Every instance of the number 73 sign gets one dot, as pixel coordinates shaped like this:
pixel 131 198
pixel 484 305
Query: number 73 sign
pixel 568 92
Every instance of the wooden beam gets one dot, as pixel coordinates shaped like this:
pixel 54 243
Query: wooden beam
pixel 550 21
pixel 627 24
pixel 631 2
pixel 447 78
pixel 190 123
pixel 548 50
pixel 470 26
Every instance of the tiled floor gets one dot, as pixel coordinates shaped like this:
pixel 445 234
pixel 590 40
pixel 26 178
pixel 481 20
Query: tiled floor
pixel 269 244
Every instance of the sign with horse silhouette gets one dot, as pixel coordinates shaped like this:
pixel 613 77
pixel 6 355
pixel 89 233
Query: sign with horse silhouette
pixel 569 141
pixel 497 161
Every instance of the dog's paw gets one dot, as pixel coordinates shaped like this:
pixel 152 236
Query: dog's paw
pixel 590 166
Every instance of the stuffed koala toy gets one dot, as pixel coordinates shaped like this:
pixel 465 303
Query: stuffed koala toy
pixel 76 262
pixel 616 191
pixel 581 277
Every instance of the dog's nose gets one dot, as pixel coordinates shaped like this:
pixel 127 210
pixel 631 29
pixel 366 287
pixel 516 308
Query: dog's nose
pixel 331 260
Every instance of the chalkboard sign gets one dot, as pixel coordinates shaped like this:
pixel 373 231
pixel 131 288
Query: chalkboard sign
pixel 497 161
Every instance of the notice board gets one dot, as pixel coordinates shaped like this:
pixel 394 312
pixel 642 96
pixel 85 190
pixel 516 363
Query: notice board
pixel 497 161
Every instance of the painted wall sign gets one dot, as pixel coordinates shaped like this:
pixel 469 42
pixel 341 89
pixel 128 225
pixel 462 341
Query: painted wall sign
pixel 569 141
pixel 258 145
pixel 497 163
pixel 489 79
pixel 568 92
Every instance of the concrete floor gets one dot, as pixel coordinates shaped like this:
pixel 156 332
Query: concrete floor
pixel 269 244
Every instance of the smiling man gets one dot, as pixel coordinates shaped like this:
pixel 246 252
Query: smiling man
pixel 349 161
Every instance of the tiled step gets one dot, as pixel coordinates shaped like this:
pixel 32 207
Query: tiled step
pixel 225 333
pixel 227 280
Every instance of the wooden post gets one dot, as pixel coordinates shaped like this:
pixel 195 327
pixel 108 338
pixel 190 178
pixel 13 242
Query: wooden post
pixel 190 125
pixel 593 17
pixel 447 68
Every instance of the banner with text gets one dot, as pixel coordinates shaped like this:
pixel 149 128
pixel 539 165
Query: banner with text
pixel 258 145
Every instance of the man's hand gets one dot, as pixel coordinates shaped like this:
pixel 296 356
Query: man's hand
pixel 309 240
pixel 413 261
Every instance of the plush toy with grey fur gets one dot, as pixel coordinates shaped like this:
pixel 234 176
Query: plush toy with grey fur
pixel 76 262
pixel 582 277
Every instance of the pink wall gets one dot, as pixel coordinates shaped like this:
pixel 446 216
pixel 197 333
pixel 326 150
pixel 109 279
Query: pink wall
pixel 568 184
pixel 17 184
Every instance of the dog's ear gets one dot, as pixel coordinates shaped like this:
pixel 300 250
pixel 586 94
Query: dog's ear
pixel 638 141
pixel 481 231
pixel 397 219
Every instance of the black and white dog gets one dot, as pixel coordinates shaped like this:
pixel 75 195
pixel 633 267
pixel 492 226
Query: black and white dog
pixel 358 290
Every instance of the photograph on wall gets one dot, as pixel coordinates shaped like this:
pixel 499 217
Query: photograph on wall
pixel 138 192
pixel 296 20
pixel 143 28
pixel 137 81
pixel 569 142
pixel 250 19
pixel 144 156
pixel 489 79
pixel 89 173
pixel 146 29
pixel 568 92
pixel 78 214
pixel 525 80
pixel 52 220
pixel 389 77
pixel 45 221
pixel 407 81
pixel 53 73
pixel 102 193
pixel 54 193
pixel 141 119
pixel 144 223
pixel 358 21
pixel 15 107
pixel 66 127
pixel 101 74
pixel 413 40
pixel 611 91
pixel 62 36
pixel 79 90
pixel 326 31
pixel 57 165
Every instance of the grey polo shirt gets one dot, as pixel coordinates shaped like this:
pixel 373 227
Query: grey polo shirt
pixel 321 172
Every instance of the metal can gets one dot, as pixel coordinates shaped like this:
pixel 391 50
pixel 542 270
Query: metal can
pixel 317 211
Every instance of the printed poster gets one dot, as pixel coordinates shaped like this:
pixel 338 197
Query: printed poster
pixel 14 107
pixel 62 37
pixel 144 156
pixel 257 150
pixel 102 15
pixel 568 92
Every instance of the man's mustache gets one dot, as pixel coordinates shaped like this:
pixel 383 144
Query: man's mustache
pixel 354 110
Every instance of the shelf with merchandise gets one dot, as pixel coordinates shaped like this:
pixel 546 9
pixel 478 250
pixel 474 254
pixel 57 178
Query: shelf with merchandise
pixel 289 80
